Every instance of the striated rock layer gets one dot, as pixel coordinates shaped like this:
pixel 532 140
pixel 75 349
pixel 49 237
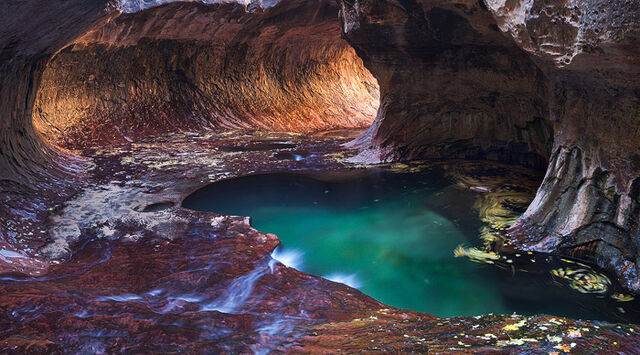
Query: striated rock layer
pixel 522 81
pixel 189 66
pixel 78 73
pixel 452 86
pixel 31 34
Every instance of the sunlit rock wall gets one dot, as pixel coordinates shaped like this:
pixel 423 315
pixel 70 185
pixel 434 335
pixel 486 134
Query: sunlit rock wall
pixel 191 53
pixel 189 66
pixel 30 33
pixel 32 174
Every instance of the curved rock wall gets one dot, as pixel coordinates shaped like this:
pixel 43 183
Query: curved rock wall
pixel 589 202
pixel 452 86
pixel 566 73
pixel 36 178
pixel 189 66
pixel 27 41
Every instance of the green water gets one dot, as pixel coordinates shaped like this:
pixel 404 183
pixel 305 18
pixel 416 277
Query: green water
pixel 392 236
pixel 384 233
pixel 397 256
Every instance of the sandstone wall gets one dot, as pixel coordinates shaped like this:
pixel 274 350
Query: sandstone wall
pixel 508 79
pixel 189 66
pixel 452 85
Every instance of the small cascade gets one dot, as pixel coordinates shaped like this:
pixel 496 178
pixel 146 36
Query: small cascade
pixel 237 293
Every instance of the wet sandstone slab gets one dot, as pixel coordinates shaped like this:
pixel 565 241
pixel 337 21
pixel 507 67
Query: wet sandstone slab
pixel 179 280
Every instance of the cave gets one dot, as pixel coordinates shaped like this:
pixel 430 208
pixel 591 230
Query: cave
pixel 461 176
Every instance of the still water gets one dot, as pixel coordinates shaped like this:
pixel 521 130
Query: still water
pixel 392 236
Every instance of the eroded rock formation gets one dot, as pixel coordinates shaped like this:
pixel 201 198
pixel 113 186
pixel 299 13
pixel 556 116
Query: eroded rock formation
pixel 32 172
pixel 190 66
pixel 452 86
pixel 71 73
pixel 561 83
pixel 31 35
pixel 589 202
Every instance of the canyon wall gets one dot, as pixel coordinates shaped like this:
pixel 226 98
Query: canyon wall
pixel 80 73
pixel 31 34
pixel 452 85
pixel 522 81
pixel 589 202
pixel 188 66
pixel 32 173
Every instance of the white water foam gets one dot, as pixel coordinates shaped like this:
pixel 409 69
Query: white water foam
pixel 347 279
pixel 287 257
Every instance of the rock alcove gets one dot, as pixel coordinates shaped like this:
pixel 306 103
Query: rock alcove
pixel 108 105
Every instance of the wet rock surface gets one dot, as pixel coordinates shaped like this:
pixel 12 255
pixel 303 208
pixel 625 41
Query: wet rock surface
pixel 383 332
pixel 181 280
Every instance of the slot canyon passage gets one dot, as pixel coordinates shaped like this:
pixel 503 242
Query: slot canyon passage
pixel 320 176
